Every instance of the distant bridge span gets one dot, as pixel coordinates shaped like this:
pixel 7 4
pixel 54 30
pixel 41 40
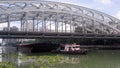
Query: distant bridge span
pixel 46 19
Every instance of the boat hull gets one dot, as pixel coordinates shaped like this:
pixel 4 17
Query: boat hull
pixel 81 52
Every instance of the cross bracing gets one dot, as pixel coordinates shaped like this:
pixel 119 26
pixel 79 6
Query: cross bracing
pixel 47 16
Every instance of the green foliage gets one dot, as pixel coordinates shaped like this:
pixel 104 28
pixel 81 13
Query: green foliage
pixel 46 61
pixel 7 65
pixel 78 29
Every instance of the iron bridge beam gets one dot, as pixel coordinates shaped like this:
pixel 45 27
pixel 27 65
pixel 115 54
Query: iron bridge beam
pixel 32 35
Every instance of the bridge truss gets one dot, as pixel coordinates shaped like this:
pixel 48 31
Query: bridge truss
pixel 46 16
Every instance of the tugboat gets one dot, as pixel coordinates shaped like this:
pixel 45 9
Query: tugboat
pixel 70 49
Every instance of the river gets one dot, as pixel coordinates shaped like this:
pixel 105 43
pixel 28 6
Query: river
pixel 94 59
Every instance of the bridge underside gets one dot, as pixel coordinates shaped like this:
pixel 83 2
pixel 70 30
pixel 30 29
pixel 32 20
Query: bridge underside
pixel 45 19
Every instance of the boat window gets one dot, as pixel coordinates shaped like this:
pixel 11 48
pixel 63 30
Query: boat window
pixel 62 48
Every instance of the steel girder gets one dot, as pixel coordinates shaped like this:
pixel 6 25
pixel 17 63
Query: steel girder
pixel 61 15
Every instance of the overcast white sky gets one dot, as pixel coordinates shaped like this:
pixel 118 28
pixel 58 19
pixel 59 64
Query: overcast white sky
pixel 111 7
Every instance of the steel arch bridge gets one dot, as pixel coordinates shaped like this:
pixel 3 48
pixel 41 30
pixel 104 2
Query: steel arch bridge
pixel 37 18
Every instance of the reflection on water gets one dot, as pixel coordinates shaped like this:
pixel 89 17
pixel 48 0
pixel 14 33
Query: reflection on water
pixel 47 60
pixel 94 59
pixel 9 57
pixel 0 54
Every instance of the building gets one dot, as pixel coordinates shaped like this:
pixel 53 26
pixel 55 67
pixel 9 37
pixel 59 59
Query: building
pixel 27 27
pixel 10 41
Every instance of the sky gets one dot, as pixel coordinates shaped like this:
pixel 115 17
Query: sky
pixel 111 7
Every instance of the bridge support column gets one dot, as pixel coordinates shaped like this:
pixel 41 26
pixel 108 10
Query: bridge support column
pixel 70 27
pixel 37 23
pixel 102 28
pixel 24 23
pixel 33 24
pixel 56 26
pixel 73 27
pixel 21 25
pixel 50 24
pixel 71 24
pixel 44 25
pixel 93 23
pixel 65 26
pixel 83 27
pixel 8 22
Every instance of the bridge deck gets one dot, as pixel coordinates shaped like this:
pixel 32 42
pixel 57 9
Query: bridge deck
pixel 19 34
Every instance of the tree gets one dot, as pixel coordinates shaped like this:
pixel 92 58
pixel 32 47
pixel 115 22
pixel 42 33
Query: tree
pixel 78 29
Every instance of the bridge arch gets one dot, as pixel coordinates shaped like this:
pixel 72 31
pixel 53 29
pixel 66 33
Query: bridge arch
pixel 47 16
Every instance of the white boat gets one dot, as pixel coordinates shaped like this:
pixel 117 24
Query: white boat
pixel 70 49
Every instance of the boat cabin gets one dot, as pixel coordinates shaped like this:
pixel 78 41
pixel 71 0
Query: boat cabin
pixel 71 47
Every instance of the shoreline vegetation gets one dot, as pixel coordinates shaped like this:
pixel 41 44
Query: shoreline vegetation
pixel 37 60
pixel 50 60
pixel 7 65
